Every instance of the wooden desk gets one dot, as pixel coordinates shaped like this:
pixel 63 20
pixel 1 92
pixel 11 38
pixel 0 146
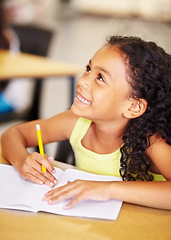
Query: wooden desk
pixel 133 222
pixel 17 65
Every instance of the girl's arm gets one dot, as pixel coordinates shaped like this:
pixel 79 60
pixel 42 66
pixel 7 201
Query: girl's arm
pixel 16 140
pixel 151 194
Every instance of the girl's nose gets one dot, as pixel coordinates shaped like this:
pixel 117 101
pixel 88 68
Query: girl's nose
pixel 83 82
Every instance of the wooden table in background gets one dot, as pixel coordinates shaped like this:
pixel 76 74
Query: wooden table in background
pixel 133 222
pixel 17 65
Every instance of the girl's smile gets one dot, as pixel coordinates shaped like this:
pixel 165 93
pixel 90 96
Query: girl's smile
pixel 80 99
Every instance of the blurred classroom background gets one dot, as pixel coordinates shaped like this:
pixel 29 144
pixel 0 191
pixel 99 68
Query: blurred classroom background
pixel 80 27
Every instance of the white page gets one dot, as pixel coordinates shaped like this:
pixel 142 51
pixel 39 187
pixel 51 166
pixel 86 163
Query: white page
pixel 18 193
pixel 92 209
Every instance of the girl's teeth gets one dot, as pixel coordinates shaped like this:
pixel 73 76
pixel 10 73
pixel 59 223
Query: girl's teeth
pixel 82 100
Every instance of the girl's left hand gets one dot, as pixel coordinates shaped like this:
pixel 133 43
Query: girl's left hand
pixel 79 190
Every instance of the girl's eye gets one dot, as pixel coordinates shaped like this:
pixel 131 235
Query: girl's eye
pixel 100 77
pixel 88 69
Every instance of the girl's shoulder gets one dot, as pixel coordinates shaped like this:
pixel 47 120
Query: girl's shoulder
pixel 159 153
pixel 156 138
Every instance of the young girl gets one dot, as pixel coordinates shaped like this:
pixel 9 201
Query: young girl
pixel 119 124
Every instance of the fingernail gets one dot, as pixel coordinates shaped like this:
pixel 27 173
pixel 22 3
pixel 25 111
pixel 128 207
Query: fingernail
pixel 53 171
pixel 41 182
pixel 55 181
pixel 65 207
pixel 51 184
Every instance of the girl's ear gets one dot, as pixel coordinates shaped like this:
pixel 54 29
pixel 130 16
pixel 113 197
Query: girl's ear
pixel 136 108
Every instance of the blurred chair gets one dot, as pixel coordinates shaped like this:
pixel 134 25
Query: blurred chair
pixel 33 40
pixel 65 153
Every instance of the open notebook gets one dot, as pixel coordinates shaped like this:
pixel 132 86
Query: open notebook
pixel 20 194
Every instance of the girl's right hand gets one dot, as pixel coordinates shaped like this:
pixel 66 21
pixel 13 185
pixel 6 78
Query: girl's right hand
pixel 31 169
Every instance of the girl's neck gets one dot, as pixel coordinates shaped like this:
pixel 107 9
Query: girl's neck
pixel 108 134
pixel 103 139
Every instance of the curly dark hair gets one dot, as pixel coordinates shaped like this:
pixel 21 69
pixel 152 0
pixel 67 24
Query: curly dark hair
pixel 148 70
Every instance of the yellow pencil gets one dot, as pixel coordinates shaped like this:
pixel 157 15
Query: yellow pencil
pixel 39 137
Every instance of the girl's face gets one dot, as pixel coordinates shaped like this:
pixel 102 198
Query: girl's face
pixel 102 91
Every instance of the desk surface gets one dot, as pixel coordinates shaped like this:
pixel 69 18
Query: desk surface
pixel 133 222
pixel 28 65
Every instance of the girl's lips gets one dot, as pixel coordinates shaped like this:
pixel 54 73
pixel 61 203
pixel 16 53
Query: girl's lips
pixel 82 99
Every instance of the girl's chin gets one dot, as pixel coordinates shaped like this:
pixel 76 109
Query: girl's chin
pixel 78 111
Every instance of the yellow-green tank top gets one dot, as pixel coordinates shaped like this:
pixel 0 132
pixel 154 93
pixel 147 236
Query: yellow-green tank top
pixel 106 164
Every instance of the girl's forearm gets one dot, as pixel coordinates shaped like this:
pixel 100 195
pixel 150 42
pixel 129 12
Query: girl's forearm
pixel 13 147
pixel 150 194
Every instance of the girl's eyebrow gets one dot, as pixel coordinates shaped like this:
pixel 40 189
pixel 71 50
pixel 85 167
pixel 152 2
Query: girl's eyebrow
pixel 102 69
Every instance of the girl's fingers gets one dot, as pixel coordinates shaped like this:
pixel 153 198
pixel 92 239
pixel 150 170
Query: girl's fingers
pixel 77 199
pixel 78 191
pixel 49 180
pixel 46 163
pixel 51 159
pixel 61 193
pixel 59 190
pixel 34 179
pixel 56 196
pixel 41 160
pixel 39 178
pixel 32 170
pixel 74 190
pixel 56 193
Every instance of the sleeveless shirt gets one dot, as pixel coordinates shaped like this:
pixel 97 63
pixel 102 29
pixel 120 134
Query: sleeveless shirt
pixel 86 160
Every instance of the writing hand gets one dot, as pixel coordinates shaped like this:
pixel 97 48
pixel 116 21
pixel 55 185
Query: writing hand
pixel 79 190
pixel 31 169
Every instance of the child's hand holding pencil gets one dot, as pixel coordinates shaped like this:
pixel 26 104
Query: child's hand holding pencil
pixel 41 150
